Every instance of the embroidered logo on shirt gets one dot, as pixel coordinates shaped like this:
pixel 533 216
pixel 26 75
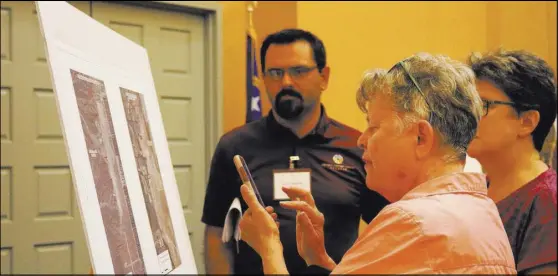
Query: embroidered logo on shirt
pixel 336 167
pixel 338 164
pixel 338 159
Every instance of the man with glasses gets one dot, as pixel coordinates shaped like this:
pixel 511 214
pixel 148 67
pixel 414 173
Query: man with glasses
pixel 295 74
pixel 518 91
pixel 422 115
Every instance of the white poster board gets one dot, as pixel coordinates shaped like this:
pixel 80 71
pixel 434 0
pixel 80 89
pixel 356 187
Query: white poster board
pixel 117 147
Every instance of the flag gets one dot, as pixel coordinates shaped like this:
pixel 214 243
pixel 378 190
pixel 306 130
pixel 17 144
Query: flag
pixel 253 99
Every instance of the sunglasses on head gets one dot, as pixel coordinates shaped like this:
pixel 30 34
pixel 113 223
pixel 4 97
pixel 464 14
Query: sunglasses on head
pixel 400 64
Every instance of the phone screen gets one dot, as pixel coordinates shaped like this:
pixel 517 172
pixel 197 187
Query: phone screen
pixel 245 175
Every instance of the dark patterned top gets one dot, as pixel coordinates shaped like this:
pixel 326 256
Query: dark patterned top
pixel 529 216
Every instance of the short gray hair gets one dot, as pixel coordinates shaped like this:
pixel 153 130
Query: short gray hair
pixel 450 103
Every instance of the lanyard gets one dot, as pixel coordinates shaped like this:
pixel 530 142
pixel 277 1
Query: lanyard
pixel 293 162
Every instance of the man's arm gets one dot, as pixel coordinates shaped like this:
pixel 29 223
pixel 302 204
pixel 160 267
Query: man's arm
pixel 222 188
pixel 219 256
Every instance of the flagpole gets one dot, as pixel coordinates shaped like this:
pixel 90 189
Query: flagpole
pixel 251 7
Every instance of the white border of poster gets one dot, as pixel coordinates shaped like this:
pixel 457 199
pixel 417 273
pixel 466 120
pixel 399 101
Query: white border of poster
pixel 75 41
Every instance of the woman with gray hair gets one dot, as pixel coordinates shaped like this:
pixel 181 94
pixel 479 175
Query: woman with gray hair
pixel 422 114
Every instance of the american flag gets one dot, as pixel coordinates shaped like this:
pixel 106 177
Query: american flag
pixel 253 81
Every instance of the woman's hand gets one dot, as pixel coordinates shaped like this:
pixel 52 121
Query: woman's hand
pixel 309 228
pixel 258 226
pixel 259 229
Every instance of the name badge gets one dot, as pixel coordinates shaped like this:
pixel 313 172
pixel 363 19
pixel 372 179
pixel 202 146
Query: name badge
pixel 288 178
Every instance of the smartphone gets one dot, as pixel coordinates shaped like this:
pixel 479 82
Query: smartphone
pixel 245 175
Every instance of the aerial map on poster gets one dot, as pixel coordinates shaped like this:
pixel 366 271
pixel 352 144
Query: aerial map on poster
pixel 116 145
pixel 150 178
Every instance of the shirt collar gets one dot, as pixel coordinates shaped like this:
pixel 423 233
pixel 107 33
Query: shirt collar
pixel 320 129
pixel 451 183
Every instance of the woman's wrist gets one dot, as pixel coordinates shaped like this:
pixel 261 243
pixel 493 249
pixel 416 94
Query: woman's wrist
pixel 273 260
pixel 328 263
pixel 325 261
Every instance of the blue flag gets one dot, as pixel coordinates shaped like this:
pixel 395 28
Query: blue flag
pixel 253 100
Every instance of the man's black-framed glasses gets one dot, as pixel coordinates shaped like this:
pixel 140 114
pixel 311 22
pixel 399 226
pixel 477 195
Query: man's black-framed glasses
pixel 400 64
pixel 294 72
pixel 520 106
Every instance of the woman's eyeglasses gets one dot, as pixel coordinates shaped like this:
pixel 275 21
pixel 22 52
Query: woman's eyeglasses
pixel 520 106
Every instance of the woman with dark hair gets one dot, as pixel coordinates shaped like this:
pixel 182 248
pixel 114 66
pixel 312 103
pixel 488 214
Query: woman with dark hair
pixel 518 91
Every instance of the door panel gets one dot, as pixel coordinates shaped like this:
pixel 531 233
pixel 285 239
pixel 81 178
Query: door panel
pixel 41 224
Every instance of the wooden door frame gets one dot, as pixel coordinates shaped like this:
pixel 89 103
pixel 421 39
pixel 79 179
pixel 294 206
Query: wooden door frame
pixel 213 39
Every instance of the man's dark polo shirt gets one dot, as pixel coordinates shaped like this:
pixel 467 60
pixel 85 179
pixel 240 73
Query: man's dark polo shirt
pixel 338 188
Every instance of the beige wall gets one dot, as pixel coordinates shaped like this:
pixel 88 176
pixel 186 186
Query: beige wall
pixel 378 34
pixel 528 25
pixel 234 60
